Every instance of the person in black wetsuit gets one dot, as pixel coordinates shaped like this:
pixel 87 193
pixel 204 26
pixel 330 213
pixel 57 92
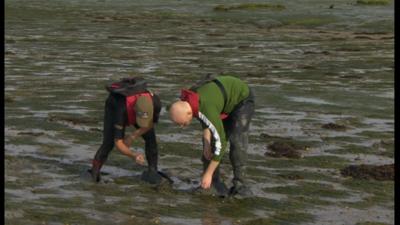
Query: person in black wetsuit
pixel 140 110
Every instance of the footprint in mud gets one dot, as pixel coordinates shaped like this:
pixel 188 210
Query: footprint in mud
pixel 369 172
pixel 282 149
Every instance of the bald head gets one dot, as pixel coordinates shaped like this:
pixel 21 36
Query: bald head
pixel 181 113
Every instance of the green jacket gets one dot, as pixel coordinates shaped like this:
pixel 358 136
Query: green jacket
pixel 211 106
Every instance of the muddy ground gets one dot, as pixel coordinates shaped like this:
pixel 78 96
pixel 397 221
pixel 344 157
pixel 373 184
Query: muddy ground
pixel 323 76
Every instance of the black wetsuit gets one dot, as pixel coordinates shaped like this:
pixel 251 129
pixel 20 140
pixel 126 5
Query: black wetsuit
pixel 115 121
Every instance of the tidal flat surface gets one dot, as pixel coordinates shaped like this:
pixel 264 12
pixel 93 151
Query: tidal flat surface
pixel 323 76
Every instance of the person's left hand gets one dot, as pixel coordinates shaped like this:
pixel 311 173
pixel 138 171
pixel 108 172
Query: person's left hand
pixel 206 181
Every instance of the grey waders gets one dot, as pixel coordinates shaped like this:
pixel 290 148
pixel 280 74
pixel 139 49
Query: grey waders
pixel 237 128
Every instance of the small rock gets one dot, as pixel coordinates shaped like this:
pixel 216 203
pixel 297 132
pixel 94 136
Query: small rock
pixel 334 126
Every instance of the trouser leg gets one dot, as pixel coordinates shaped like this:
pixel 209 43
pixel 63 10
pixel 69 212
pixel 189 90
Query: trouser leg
pixel 151 150
pixel 238 125
pixel 108 140
pixel 238 157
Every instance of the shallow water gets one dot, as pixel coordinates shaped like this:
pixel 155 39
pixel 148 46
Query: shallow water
pixel 311 64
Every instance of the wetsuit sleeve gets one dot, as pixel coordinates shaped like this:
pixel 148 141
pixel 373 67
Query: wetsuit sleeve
pixel 213 122
pixel 120 118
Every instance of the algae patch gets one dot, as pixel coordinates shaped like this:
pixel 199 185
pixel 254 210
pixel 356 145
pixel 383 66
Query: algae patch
pixel 250 6
pixel 311 21
pixel 8 99
pixel 373 2
pixel 334 126
pixel 283 149
pixel 383 172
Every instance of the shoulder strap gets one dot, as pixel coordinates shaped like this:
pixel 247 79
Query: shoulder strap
pixel 222 89
pixel 208 78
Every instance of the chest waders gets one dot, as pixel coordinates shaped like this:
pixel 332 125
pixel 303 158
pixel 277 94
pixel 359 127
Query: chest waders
pixel 236 127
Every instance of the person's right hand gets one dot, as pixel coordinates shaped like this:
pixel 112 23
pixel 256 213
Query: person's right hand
pixel 139 158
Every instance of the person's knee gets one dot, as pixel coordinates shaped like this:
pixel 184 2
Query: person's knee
pixel 151 145
pixel 107 146
pixel 238 141
pixel 149 136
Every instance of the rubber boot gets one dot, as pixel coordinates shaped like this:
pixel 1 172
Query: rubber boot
pixel 151 175
pixel 95 170
pixel 239 188
pixel 238 159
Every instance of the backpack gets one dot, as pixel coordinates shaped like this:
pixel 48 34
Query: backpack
pixel 128 86
pixel 131 86
pixel 205 79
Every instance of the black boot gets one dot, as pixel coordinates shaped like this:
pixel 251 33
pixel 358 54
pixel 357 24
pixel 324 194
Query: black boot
pixel 95 170
pixel 151 175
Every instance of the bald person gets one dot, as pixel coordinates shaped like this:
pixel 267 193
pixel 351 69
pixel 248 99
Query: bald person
pixel 224 106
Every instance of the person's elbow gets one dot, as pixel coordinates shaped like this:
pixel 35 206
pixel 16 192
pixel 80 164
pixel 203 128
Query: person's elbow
pixel 118 142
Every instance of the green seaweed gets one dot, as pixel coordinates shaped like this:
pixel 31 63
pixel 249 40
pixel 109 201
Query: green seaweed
pixel 334 162
pixel 381 192
pixel 306 175
pixel 283 217
pixel 309 189
pixel 371 223
pixel 353 149
pixel 250 6
pixel 8 99
pixel 312 21
pixel 373 2
pixel 242 208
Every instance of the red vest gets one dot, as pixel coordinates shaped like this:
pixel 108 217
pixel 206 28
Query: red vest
pixel 130 106
pixel 193 99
